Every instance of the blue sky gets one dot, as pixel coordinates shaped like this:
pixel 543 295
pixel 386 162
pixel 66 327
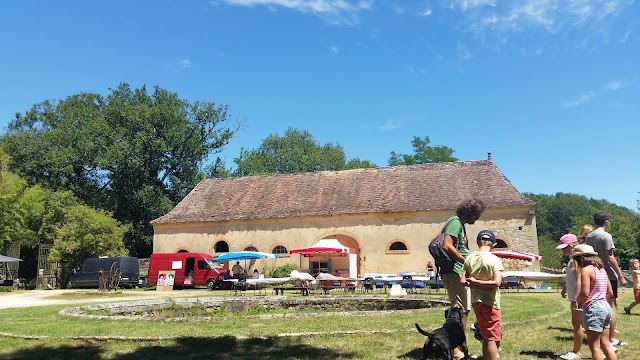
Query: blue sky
pixel 550 87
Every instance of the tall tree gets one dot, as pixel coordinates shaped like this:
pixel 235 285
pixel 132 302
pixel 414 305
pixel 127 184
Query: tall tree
pixel 295 152
pixel 131 153
pixel 566 213
pixel 423 153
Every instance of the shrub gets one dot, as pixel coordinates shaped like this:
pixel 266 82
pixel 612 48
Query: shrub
pixel 283 271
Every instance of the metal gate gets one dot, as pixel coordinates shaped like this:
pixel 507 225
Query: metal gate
pixel 10 270
pixel 48 272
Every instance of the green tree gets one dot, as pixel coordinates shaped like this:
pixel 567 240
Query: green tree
pixel 131 153
pixel 12 214
pixel 566 213
pixel 295 152
pixel 356 163
pixel 423 153
pixel 86 233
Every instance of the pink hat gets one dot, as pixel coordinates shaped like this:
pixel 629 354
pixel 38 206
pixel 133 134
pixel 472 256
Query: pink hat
pixel 565 240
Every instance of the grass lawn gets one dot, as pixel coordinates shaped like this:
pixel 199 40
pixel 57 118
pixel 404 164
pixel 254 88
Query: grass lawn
pixel 536 325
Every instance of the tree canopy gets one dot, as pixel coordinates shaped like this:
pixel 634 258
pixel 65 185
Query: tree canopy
pixel 295 152
pixel 423 153
pixel 563 213
pixel 131 153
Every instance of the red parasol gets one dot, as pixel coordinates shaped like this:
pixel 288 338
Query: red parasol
pixel 325 247
pixel 517 255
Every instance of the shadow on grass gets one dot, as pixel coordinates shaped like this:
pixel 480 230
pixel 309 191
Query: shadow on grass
pixel 413 354
pixel 226 348
pixel 563 329
pixel 539 354
pixel 42 352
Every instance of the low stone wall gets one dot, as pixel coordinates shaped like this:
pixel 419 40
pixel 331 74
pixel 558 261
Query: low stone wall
pixel 144 309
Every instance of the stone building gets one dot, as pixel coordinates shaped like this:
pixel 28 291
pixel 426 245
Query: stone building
pixel 388 215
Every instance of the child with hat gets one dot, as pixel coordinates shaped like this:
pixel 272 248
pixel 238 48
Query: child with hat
pixel 593 289
pixel 482 273
pixel 567 242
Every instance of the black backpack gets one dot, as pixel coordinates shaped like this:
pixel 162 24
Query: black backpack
pixel 443 262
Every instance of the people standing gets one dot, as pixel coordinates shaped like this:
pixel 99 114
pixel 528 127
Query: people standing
pixel 594 287
pixel 237 270
pixel 482 273
pixel 635 280
pixel 567 243
pixel 600 239
pixel 455 244
pixel 430 269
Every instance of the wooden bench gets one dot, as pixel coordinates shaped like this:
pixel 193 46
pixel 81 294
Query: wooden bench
pixel 281 289
pixel 326 288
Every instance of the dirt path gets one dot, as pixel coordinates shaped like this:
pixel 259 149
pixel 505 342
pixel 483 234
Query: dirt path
pixel 29 298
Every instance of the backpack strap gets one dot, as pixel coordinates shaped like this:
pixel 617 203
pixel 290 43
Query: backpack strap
pixel 457 240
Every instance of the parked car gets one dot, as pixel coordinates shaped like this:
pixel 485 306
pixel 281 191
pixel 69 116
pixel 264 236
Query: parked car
pixel 191 269
pixel 88 276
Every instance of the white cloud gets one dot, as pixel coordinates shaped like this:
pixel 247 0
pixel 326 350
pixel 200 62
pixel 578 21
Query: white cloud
pixel 184 63
pixel 425 12
pixel 582 99
pixel 335 12
pixel 591 94
pixel 552 16
pixel 398 9
pixel 391 125
pixel 334 49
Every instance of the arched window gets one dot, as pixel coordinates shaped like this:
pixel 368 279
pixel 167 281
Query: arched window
pixel 500 244
pixel 279 249
pixel 250 248
pixel 183 251
pixel 397 247
pixel 221 246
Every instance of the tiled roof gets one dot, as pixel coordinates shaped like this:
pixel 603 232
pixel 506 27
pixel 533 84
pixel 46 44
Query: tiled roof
pixel 439 186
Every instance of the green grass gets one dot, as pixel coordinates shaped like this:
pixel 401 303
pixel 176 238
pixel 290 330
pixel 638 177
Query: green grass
pixel 536 326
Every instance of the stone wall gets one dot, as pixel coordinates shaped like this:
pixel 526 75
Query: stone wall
pixel 370 234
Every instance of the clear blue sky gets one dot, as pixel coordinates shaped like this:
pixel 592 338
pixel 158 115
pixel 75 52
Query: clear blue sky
pixel 551 88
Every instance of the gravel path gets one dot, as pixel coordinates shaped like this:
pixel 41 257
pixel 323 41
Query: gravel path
pixel 29 298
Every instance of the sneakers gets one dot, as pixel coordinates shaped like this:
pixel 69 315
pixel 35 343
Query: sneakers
pixel 570 356
pixel 627 311
pixel 617 342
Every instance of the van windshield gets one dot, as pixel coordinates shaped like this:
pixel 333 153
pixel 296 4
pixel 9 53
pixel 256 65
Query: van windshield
pixel 215 264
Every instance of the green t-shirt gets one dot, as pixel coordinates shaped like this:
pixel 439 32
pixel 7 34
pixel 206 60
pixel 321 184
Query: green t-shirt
pixel 457 231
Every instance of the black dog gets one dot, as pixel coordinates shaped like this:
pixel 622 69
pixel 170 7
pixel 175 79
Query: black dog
pixel 441 341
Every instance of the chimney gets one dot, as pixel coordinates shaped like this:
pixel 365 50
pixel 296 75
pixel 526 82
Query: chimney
pixel 489 156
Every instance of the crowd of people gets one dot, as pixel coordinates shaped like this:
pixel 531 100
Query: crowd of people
pixel 591 283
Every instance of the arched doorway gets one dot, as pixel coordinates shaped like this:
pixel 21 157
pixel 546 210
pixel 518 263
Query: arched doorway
pixel 339 266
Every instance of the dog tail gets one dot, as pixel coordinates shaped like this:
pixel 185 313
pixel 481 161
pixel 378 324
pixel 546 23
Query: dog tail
pixel 422 331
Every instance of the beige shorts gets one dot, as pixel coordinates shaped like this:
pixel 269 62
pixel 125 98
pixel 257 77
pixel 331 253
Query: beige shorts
pixel 459 295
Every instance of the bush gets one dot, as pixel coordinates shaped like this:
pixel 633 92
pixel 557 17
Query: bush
pixel 283 271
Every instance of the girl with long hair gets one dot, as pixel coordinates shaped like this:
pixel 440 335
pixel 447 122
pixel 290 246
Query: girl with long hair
pixel 593 290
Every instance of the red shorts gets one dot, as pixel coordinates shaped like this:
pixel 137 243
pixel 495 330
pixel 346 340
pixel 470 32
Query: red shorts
pixel 636 295
pixel 489 321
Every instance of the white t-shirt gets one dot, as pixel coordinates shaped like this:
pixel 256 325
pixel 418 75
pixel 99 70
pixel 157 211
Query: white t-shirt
pixel 571 281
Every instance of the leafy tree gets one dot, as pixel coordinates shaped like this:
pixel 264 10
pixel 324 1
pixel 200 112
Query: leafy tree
pixel 356 163
pixel 423 153
pixel 131 153
pixel 295 152
pixel 566 213
pixel 12 213
pixel 218 170
pixel 86 233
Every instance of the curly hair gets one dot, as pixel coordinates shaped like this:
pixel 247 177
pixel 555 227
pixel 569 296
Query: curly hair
pixel 470 207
